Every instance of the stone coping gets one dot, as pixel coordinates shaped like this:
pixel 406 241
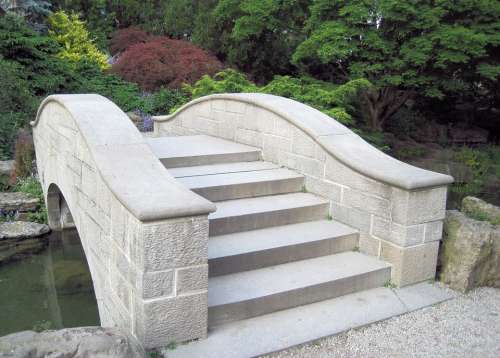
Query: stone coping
pixel 336 139
pixel 125 161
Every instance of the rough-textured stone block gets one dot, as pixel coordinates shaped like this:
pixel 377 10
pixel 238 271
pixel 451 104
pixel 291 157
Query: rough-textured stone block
pixel 415 207
pixel 191 279
pixel 177 319
pixel 411 264
pixel 433 231
pixel 157 284
pixel 398 234
pixel 175 243
pixel 303 165
pixel 249 137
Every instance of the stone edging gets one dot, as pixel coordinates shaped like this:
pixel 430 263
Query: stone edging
pixel 336 139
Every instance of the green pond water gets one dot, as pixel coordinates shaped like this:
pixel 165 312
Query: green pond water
pixel 48 290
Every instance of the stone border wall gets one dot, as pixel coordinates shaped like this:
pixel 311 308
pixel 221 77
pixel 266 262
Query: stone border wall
pixel 144 235
pixel 399 209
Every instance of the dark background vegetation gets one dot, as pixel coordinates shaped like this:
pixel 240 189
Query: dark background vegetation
pixel 418 79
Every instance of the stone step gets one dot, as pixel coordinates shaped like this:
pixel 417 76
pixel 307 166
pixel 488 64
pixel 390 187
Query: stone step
pixel 274 210
pixel 257 336
pixel 258 292
pixel 227 186
pixel 185 151
pixel 250 250
pixel 223 168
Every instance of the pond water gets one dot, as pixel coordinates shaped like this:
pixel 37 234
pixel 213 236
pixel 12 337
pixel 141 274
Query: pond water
pixel 48 290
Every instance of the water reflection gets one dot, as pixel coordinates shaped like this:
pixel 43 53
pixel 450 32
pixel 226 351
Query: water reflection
pixel 48 290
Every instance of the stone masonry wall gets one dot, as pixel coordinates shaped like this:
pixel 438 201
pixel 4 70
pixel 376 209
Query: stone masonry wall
pixel 400 226
pixel 150 278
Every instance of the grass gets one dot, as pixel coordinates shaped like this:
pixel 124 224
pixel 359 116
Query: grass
pixel 389 284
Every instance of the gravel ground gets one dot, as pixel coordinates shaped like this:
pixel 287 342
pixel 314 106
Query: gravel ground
pixel 467 326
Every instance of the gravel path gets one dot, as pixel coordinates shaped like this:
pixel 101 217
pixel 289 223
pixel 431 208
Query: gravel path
pixel 467 326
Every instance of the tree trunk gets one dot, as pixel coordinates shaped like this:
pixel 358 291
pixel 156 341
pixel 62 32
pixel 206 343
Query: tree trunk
pixel 382 103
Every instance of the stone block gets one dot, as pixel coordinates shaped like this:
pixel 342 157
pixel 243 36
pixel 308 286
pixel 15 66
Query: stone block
pixel 174 243
pixel 236 107
pixel 358 219
pixel 337 172
pixel 303 144
pixel 284 128
pixel 191 279
pixel 400 235
pixel 433 231
pixel 303 165
pixel 369 245
pixel 249 137
pixel 411 264
pixel 156 284
pixel 365 202
pixel 419 206
pixel 324 188
pixel 163 321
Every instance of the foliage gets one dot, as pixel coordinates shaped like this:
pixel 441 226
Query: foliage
pixel 76 45
pixel 404 48
pixel 164 62
pixel 257 36
pixel 34 11
pixel 483 162
pixel 30 185
pixel 227 81
pixel 333 100
pixel 122 39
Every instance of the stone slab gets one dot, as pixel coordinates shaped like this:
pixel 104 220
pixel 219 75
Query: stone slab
pixel 281 330
pixel 223 168
pixel 200 149
pixel 227 186
pixel 254 249
pixel 257 292
pixel 267 211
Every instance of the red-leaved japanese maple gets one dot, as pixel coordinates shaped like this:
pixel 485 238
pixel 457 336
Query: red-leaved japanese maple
pixel 165 62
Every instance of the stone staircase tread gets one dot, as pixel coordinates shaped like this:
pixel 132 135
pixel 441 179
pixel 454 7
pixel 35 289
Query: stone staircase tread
pixel 200 149
pixel 289 277
pixel 274 237
pixel 223 168
pixel 271 203
pixel 219 180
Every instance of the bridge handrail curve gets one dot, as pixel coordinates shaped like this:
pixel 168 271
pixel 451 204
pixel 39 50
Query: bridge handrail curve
pixel 125 162
pixel 338 140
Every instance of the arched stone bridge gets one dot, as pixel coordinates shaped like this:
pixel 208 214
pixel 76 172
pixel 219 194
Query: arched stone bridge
pixel 273 168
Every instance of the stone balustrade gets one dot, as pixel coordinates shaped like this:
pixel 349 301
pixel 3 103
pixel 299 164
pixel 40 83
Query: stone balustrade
pixel 399 209
pixel 145 236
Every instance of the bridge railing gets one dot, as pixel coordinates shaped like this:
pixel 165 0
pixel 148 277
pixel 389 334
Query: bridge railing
pixel 398 208
pixel 144 235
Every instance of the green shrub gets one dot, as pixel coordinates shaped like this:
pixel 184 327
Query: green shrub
pixel 30 185
pixel 333 100
pixel 76 45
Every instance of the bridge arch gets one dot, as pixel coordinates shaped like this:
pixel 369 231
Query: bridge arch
pixel 131 215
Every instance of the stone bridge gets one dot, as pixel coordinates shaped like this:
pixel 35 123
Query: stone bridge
pixel 236 168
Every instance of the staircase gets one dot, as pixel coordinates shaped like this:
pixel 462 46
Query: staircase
pixel 273 246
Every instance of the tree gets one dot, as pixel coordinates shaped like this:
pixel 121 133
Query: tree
pixel 164 62
pixel 405 48
pixel 258 36
pixel 77 46
pixel 122 39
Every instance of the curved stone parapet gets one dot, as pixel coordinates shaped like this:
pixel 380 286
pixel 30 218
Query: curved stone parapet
pixel 144 235
pixel 398 208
